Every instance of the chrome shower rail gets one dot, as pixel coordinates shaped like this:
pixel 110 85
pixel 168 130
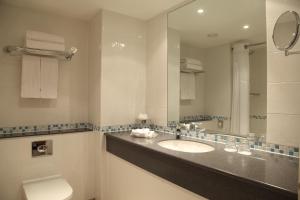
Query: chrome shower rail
pixel 254 45
pixel 17 50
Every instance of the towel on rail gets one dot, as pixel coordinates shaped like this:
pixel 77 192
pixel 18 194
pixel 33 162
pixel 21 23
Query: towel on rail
pixel 49 78
pixel 190 61
pixel 40 40
pixel 39 77
pixel 187 86
pixel 30 80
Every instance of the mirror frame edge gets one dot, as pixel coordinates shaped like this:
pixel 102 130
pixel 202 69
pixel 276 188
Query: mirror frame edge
pixel 296 38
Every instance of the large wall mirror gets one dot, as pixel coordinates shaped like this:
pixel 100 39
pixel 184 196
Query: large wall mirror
pixel 217 67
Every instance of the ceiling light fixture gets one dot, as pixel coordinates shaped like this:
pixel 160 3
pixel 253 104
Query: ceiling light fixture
pixel 200 11
pixel 246 27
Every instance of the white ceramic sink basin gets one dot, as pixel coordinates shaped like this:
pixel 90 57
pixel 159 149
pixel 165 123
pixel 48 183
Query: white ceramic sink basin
pixel 185 146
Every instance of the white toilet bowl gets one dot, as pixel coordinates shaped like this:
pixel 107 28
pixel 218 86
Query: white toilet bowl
pixel 47 188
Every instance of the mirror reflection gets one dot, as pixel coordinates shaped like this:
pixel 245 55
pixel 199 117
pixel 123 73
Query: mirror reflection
pixel 217 67
pixel 285 32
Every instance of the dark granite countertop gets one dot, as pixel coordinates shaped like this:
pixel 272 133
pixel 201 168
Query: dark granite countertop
pixel 272 170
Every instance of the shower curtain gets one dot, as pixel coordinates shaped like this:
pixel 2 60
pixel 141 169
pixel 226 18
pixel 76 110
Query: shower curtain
pixel 241 89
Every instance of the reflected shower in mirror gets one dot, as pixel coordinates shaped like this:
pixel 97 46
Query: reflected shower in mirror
pixel 217 67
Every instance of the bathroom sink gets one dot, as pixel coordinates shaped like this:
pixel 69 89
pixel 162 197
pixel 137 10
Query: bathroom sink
pixel 185 146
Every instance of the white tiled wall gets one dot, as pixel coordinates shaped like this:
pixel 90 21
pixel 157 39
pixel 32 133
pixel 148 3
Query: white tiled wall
pixel 72 102
pixel 94 69
pixel 283 83
pixel 73 158
pixel 157 67
pixel 123 69
pixel 258 84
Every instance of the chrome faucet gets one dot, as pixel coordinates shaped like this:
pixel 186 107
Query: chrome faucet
pixel 178 131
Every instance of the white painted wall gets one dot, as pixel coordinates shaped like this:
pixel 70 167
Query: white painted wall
pixel 196 106
pixel 218 80
pixel 192 52
pixel 173 75
pixel 213 87
pixel 218 85
pixel 73 158
pixel 283 96
pixel 72 102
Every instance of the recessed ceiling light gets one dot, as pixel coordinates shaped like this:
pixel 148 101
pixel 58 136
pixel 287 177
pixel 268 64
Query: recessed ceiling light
pixel 246 27
pixel 200 11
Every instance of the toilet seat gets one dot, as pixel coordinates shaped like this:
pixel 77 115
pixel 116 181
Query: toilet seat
pixel 48 188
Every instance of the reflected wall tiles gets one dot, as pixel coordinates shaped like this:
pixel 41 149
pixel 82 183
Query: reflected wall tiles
pixel 262 117
pixel 283 79
pixel 203 118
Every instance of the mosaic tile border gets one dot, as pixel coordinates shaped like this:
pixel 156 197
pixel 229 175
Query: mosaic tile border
pixel 219 138
pixel 7 132
pixel 263 117
pixel 255 145
pixel 43 128
pixel 192 118
pixel 119 128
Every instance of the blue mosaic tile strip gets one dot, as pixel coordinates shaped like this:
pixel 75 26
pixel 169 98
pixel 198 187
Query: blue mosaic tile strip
pixel 172 123
pixel 261 146
pixel 193 118
pixel 43 128
pixel 120 128
pixel 263 117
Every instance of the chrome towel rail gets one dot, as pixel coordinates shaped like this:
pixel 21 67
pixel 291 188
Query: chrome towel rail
pixel 18 50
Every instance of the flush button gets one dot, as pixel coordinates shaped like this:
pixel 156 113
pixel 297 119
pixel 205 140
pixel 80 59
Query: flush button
pixel 41 148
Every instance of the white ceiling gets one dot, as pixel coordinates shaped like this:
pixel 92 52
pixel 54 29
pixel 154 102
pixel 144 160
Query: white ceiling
pixel 86 9
pixel 224 17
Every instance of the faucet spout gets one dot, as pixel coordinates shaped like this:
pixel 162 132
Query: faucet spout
pixel 178 131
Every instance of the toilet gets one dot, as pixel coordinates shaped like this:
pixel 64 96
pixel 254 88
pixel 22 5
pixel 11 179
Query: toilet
pixel 47 188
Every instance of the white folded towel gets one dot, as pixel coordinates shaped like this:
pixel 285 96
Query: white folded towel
pixel 31 72
pixel 40 40
pixel 191 61
pixel 46 37
pixel 143 133
pixel 49 78
pixel 187 86
pixel 191 67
